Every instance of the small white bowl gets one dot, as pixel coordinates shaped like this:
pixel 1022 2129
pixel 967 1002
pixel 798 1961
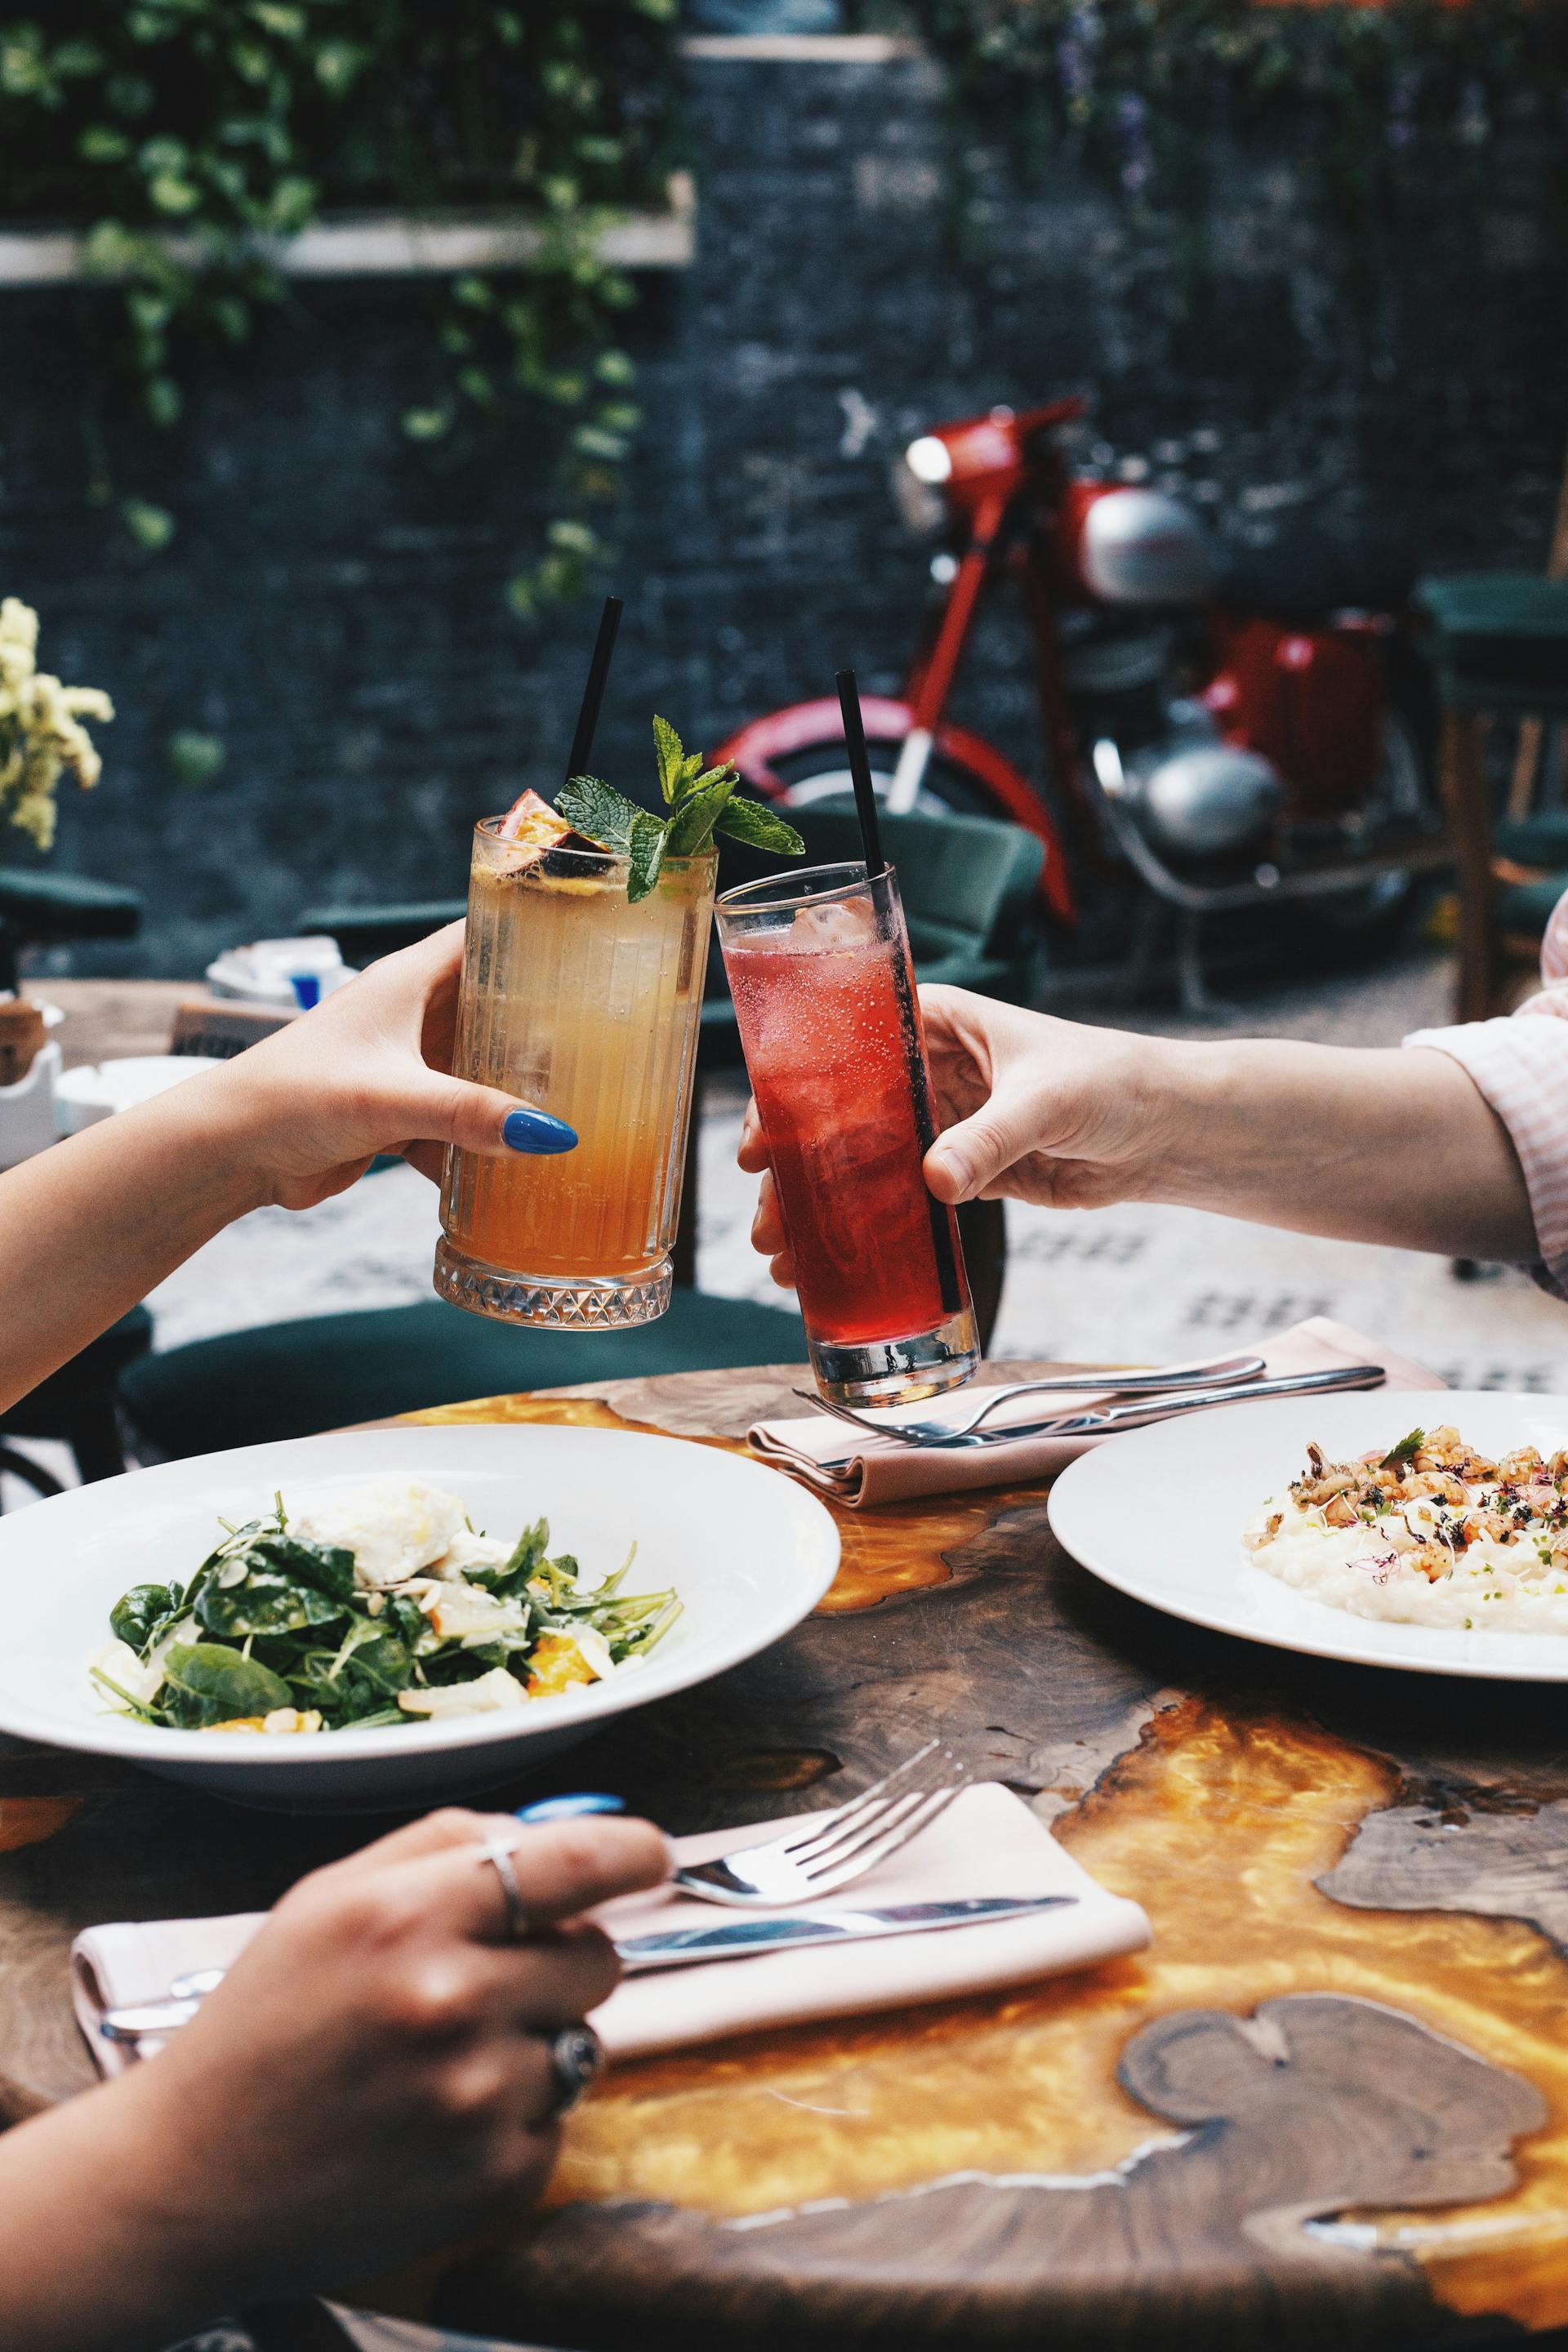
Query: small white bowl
pixel 749 1553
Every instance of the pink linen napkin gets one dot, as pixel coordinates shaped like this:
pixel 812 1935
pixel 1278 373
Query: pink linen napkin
pixel 864 1470
pixel 986 1842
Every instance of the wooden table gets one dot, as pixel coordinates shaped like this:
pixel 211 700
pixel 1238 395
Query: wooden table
pixel 1331 2104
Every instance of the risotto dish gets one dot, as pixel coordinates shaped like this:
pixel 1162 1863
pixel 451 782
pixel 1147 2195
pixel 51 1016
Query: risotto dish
pixel 1431 1533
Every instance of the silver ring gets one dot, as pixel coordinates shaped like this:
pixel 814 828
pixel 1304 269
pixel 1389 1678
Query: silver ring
pixel 576 2059
pixel 496 1851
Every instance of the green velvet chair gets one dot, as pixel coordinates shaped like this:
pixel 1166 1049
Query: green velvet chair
pixel 970 891
pixel 327 1371
pixel 37 910
pixel 1499 643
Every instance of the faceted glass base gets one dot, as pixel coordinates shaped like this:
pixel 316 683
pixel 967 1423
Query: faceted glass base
pixel 611 1303
pixel 898 1371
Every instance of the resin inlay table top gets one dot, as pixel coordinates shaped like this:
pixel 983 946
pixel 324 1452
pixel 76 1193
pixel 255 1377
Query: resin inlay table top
pixel 1332 2096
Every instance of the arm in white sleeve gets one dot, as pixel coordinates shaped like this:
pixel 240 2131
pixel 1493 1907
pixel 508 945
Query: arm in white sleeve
pixel 1520 1065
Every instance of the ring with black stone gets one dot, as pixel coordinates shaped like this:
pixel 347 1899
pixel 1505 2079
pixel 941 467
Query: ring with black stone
pixel 576 2059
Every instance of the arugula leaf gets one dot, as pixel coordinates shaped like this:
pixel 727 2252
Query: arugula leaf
pixel 1398 1456
pixel 750 822
pixel 598 812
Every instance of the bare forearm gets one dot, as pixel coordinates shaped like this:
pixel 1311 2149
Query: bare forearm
pixel 87 2261
pixel 1394 1145
pixel 89 1227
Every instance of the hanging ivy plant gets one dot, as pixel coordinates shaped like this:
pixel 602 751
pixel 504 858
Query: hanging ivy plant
pixel 1365 94
pixel 189 136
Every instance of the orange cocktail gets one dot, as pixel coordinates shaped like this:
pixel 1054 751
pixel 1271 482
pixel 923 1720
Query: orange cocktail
pixel 586 1006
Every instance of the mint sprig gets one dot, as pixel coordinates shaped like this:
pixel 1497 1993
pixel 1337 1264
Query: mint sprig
pixel 702 801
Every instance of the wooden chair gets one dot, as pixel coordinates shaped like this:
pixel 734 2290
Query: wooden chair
pixel 1500 647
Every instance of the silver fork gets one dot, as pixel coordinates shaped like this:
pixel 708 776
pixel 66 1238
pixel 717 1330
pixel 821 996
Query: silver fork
pixel 824 1854
pixel 1216 1372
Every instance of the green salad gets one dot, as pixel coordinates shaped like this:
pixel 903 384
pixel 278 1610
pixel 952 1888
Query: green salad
pixel 376 1605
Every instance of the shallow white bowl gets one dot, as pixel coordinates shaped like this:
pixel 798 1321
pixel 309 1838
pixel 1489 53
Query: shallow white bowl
pixel 1158 1513
pixel 750 1553
pixel 97 1090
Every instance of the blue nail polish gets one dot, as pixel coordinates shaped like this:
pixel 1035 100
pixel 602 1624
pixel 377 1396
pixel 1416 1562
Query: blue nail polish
pixel 566 1809
pixel 535 1130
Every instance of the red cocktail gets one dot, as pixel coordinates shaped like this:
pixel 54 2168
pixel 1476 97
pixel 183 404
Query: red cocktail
pixel 818 966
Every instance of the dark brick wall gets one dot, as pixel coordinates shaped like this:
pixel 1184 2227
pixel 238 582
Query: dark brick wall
pixel 333 607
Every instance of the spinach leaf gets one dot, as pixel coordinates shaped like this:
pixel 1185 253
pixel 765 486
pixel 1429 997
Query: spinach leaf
pixel 136 1613
pixel 329 1568
pixel 263 1604
pixel 211 1684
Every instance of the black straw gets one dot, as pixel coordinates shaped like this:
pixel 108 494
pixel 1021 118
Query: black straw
pixel 593 692
pixel 860 772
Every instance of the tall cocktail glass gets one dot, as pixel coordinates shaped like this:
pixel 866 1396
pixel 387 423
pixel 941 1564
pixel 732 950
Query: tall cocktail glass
pixel 818 964
pixel 586 1006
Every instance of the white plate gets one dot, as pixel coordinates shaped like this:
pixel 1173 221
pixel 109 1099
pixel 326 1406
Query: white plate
pixel 1159 1513
pixel 749 1553
pixel 97 1089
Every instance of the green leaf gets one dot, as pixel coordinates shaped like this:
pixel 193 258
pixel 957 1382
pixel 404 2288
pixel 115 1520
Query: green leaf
pixel 217 1684
pixel 194 759
pixel 172 195
pixel 425 423
pixel 136 1612
pixel 599 812
pixel 670 754
pixel 339 64
pixel 101 143
pixel 163 399
pixel 691 826
pixel 1400 1456
pixel 649 838
pixel 150 527
pixel 512 1575
pixel 264 1603
pixel 750 822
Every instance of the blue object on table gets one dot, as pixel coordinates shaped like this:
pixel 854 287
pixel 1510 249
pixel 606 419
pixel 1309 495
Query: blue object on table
pixel 306 987
pixel 566 1809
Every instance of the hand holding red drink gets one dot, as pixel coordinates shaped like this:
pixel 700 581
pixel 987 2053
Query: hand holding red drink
pixel 819 969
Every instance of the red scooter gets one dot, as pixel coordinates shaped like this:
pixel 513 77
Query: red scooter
pixel 1216 741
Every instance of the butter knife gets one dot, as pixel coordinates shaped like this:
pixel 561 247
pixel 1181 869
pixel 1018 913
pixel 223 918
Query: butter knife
pixel 674 1947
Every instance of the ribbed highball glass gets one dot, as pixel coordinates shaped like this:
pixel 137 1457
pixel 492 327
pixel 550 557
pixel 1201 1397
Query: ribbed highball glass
pixel 587 1007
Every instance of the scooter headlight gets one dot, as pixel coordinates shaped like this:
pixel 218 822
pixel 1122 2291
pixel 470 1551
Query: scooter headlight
pixel 928 460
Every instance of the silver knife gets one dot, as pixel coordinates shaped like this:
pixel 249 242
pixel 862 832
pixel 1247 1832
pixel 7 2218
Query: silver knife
pixel 1138 1412
pixel 677 1948
pixel 737 1939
